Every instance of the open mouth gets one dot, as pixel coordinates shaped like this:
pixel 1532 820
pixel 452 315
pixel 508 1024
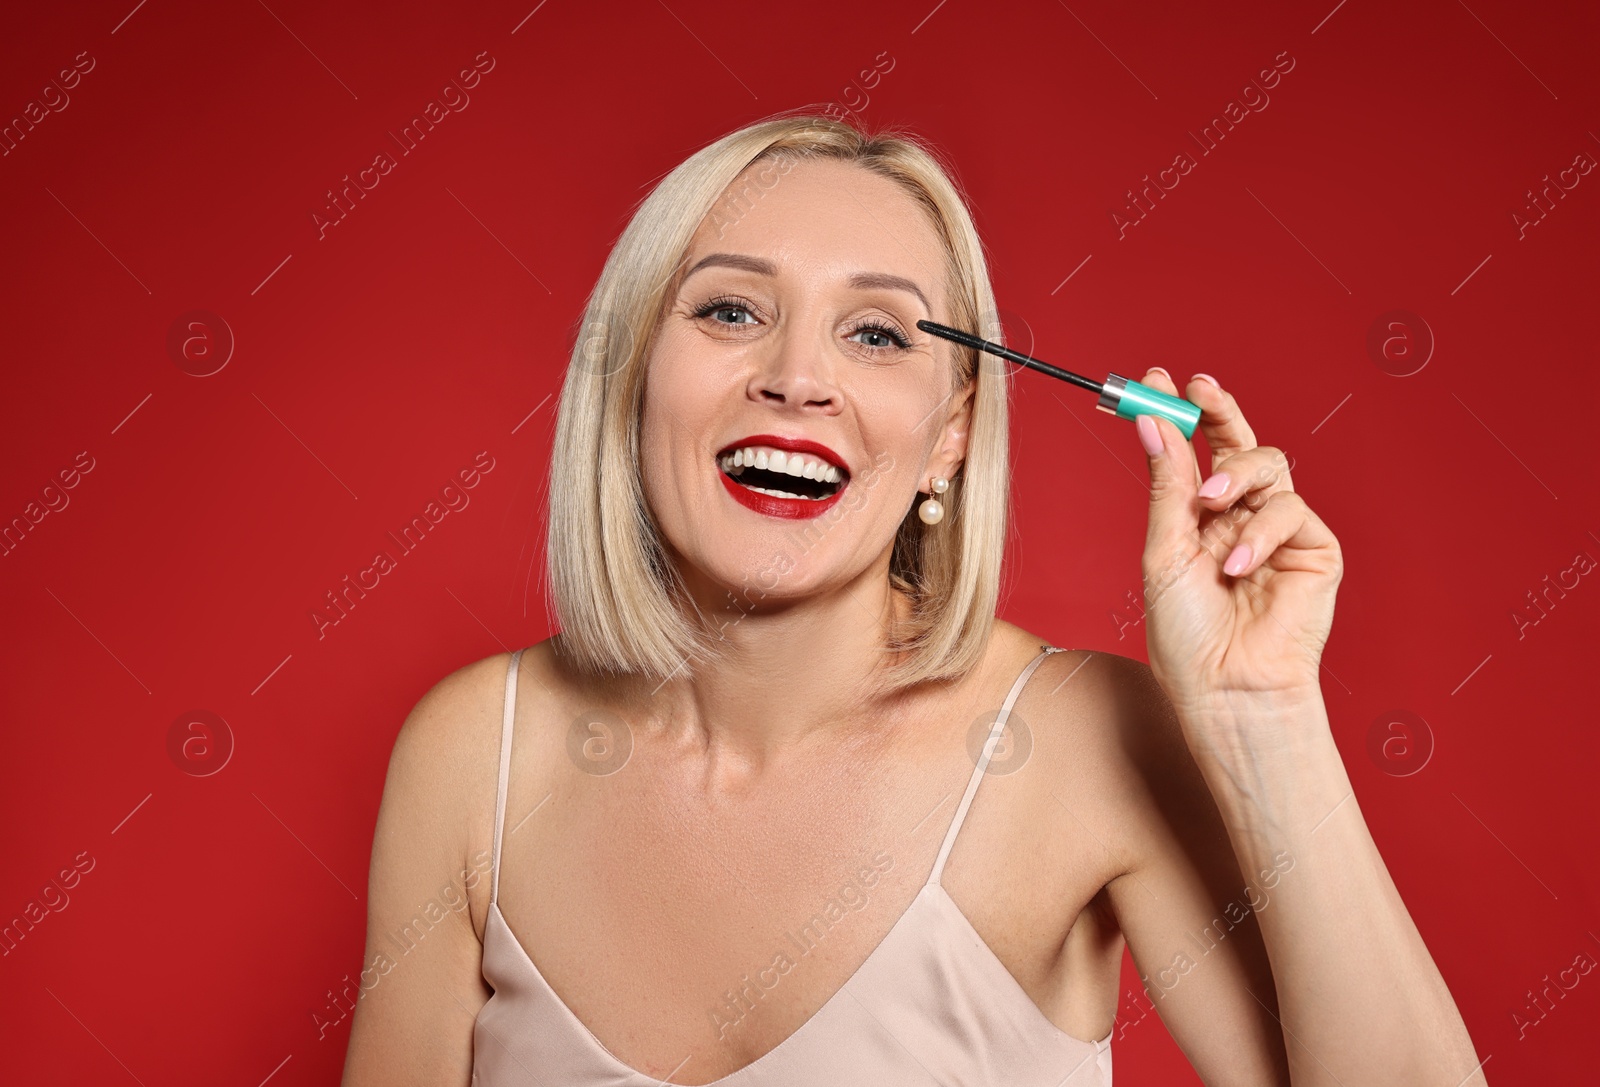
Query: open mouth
pixel 783 474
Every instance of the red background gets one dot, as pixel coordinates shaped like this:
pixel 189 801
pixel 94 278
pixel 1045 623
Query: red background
pixel 434 322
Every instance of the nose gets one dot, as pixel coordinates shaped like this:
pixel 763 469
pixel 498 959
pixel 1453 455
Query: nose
pixel 796 373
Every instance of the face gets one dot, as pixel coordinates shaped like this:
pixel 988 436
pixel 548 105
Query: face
pixel 790 341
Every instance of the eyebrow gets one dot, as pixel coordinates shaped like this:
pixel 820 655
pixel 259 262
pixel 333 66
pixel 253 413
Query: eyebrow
pixel 864 281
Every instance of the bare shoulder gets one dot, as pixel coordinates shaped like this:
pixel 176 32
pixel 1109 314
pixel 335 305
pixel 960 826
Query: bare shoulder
pixel 444 767
pixel 446 740
pixel 1116 696
pixel 447 718
pixel 456 725
pixel 422 963
pixel 1105 734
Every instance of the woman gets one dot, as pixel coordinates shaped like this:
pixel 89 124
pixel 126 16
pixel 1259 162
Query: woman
pixel 732 811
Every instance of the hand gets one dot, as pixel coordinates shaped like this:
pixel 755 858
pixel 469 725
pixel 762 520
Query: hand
pixel 1256 627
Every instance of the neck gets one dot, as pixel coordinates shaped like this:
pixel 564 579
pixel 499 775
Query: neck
pixel 796 676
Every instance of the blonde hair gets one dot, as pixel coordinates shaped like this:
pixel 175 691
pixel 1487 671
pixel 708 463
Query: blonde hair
pixel 612 590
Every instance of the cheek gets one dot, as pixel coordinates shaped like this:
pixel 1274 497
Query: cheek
pixel 667 408
pixel 662 455
pixel 906 421
pixel 652 435
pixel 677 419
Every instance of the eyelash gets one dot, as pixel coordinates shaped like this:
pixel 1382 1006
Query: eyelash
pixel 706 309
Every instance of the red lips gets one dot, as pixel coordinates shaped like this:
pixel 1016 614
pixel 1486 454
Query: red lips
pixel 797 509
pixel 790 445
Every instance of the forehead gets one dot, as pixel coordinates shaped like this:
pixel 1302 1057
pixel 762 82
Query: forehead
pixel 824 217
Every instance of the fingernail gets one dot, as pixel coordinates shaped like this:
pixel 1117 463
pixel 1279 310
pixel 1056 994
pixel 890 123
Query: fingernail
pixel 1238 559
pixel 1149 434
pixel 1208 377
pixel 1159 370
pixel 1214 486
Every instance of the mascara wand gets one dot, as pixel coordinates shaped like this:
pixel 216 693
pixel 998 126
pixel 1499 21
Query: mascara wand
pixel 1118 395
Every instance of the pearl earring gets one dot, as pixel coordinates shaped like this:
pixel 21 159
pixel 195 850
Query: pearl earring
pixel 932 511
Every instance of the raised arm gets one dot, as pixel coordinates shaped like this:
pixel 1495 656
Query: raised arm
pixel 1186 907
pixel 1240 579
pixel 421 980
pixel 1270 937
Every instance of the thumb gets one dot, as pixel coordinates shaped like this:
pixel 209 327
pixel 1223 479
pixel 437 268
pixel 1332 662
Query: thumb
pixel 1173 494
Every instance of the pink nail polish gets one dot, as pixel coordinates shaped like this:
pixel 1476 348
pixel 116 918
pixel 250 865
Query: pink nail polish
pixel 1238 559
pixel 1149 434
pixel 1208 377
pixel 1214 486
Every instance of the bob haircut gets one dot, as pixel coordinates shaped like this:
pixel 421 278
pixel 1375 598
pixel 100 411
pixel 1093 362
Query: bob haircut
pixel 613 591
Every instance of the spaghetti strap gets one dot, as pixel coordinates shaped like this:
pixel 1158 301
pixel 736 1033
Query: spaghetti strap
pixel 931 1003
pixel 983 760
pixel 505 771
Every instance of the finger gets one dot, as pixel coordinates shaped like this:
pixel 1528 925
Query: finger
pixel 1158 378
pixel 1174 516
pixel 1221 421
pixel 1251 476
pixel 1288 532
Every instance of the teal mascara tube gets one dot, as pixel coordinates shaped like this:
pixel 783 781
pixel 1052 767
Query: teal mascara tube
pixel 1119 396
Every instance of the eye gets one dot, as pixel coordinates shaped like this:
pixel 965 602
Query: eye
pixel 723 305
pixel 880 332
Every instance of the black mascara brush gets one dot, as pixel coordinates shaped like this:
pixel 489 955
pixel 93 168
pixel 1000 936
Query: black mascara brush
pixel 1118 395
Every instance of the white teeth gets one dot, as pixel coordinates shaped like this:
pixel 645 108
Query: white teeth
pixel 800 465
pixel 782 494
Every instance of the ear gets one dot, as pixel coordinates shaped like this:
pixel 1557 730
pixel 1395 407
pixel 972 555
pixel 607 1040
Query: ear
pixel 951 450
